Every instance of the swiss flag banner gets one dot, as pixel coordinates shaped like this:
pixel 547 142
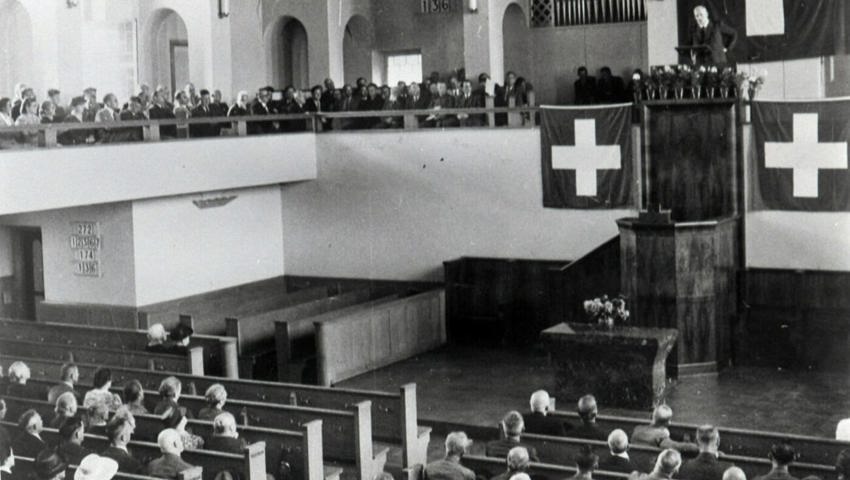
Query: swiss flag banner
pixel 587 156
pixel 770 30
pixel 801 155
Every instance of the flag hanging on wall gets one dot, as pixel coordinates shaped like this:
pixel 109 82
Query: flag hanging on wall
pixel 802 149
pixel 770 30
pixel 587 157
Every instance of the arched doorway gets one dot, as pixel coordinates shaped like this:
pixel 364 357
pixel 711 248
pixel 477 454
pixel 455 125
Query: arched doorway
pixel 15 46
pixel 515 42
pixel 357 44
pixel 289 65
pixel 169 48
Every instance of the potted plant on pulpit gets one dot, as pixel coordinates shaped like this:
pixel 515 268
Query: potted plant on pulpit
pixel 607 312
pixel 728 81
pixel 694 81
pixel 754 84
pixel 683 78
pixel 711 81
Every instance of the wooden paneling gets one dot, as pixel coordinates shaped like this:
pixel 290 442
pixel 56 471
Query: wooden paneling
pixel 370 338
pixel 114 316
pixel 795 319
pixel 591 276
pixel 497 301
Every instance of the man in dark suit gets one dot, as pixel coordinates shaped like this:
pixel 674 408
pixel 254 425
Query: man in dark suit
pixel 587 411
pixel 713 35
pixel 119 433
pixel 262 106
pixel 617 459
pixel 512 426
pixel 204 110
pixel 781 455
pixel 76 137
pixel 70 376
pixel 609 89
pixel 71 435
pixel 225 438
pixel 705 466
pixel 28 442
pixel 585 87
pixel 538 421
pixel 169 465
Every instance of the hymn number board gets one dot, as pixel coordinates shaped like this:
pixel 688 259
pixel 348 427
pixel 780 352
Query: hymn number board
pixel 85 242
pixel 435 6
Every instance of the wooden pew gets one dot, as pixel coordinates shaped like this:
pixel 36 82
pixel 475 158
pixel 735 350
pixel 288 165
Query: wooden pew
pixel 209 312
pixel 370 338
pixel 394 414
pixel 25 468
pixel 295 339
pixel 191 363
pixel 488 467
pixel 346 435
pixel 733 441
pixel 218 352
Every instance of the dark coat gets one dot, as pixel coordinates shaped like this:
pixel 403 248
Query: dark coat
pixel 714 36
pixel 126 462
pixel 541 424
pixel 705 466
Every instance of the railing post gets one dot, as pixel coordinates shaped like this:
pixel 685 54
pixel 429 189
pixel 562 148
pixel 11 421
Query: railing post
pixel 242 128
pixel 410 122
pixel 151 132
pixel 514 117
pixel 490 102
pixel 47 138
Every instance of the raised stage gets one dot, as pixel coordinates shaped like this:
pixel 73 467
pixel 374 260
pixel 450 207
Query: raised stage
pixel 476 386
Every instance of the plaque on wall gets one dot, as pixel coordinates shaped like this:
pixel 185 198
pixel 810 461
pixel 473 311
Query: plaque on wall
pixel 85 242
pixel 435 6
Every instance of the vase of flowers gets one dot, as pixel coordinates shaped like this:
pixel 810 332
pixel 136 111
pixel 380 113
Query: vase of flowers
pixel 711 81
pixel 727 81
pixel 754 83
pixel 607 312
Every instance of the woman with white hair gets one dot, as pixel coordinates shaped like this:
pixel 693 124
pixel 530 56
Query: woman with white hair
pixel 216 397
pixel 241 107
pixel 19 373
pixel 157 336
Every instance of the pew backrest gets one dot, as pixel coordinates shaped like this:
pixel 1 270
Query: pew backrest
pixel 25 468
pixel 489 467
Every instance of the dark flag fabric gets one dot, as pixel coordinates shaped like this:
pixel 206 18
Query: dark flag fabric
pixel 587 158
pixel 801 151
pixel 771 30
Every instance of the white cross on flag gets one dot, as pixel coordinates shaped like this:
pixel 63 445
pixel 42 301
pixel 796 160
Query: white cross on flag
pixel 586 157
pixel 802 155
pixel 765 17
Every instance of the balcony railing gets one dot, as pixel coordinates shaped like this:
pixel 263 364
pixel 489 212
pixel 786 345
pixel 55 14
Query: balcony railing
pixel 566 13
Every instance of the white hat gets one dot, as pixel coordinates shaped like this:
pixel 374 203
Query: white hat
pixel 95 467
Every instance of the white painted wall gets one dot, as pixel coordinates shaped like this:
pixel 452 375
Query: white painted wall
pixel 395 205
pixel 116 284
pixel 63 177
pixel 182 250
pixel 798 240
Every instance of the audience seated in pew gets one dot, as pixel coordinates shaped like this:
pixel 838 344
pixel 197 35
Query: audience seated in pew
pixel 96 419
pixel 517 460
pixel 100 394
pixel 705 466
pixel 119 434
pixel 216 397
pixel 169 390
pixel 28 442
pixel 666 466
pixel 174 342
pixel 537 421
pixel 66 407
pixel 169 465
pixel 450 468
pixel 134 397
pixel 49 466
pixel 657 434
pixel 225 438
pixel 586 463
pixel 19 373
pixel 70 447
pixel 617 459
pixel 511 427
pixel 781 456
pixel 587 411
pixel 70 376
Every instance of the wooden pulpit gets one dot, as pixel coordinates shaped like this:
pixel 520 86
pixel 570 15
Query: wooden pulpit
pixel 679 258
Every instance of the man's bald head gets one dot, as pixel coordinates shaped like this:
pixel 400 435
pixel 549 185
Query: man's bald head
pixel 618 441
pixel 539 401
pixel 518 459
pixel 734 473
pixel 587 408
pixel 668 462
pixel 701 15
pixel 662 415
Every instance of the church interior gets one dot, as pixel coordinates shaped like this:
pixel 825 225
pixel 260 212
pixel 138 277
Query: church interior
pixel 424 239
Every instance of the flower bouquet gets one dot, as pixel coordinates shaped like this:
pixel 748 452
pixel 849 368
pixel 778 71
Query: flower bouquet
pixel 607 312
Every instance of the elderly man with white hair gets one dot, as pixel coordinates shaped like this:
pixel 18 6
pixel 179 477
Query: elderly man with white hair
pixel 714 35
pixel 538 421
pixel 517 460
pixel 66 407
pixel 169 465
pixel 95 467
pixel 666 466
pixel 449 468
pixel 512 427
pixel 657 433
pixel 617 459
pixel 225 438
pixel 19 373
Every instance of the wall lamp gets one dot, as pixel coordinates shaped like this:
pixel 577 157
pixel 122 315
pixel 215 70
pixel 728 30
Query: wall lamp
pixel 473 6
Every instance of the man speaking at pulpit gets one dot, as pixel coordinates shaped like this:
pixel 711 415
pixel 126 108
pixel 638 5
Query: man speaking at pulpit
pixel 719 38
